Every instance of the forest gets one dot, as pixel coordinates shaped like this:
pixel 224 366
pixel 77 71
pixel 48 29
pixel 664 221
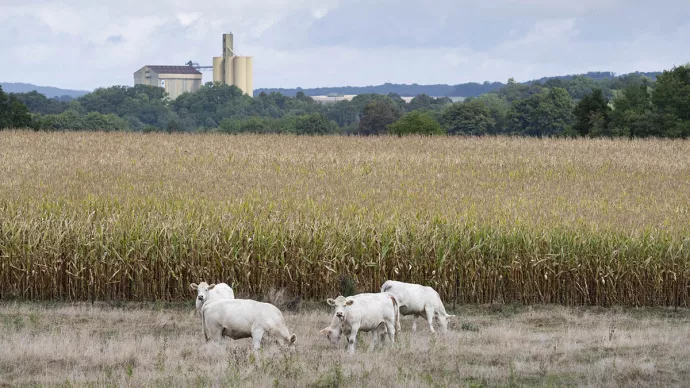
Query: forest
pixel 592 105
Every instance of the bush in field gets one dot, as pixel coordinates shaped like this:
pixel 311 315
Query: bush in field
pixel 314 124
pixel 415 123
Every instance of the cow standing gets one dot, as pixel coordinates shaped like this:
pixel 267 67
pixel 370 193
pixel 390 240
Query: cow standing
pixel 244 318
pixel 377 313
pixel 420 301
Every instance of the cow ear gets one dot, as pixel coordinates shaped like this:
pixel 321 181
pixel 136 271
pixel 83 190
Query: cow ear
pixel 194 286
pixel 349 302
pixel 330 302
pixel 211 286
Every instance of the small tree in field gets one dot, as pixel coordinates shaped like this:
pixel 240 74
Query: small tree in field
pixel 415 123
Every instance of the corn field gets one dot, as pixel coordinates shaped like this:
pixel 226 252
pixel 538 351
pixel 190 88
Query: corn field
pixel 118 216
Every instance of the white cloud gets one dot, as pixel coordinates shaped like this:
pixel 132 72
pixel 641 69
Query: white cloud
pixel 86 44
pixel 187 18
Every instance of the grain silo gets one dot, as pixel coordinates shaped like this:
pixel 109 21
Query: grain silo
pixel 230 69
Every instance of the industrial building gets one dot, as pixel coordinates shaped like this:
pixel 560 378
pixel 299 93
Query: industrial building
pixel 175 79
pixel 230 69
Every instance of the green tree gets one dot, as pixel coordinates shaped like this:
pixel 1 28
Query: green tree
pixel 514 91
pixel 67 120
pixel 215 102
pixel 671 98
pixel 580 86
pixel 314 124
pixel 38 103
pixel 592 114
pixel 377 116
pixel 471 117
pixel 425 102
pixel 94 121
pixel 343 112
pixel 498 107
pixel 421 101
pixel 415 122
pixel 13 113
pixel 544 114
pixel 633 114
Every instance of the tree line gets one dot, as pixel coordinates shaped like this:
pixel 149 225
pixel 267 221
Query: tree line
pixel 633 105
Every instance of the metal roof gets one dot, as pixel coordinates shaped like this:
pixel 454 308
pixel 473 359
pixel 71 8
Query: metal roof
pixel 173 69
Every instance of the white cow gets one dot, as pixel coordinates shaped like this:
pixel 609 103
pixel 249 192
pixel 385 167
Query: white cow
pixel 244 318
pixel 420 301
pixel 377 313
pixel 209 293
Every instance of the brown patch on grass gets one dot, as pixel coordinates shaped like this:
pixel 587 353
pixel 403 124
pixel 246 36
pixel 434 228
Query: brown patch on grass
pixel 152 346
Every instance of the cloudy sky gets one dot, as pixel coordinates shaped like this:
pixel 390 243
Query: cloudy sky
pixel 84 44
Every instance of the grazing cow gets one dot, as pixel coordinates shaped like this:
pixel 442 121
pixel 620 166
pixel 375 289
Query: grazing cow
pixel 210 293
pixel 377 313
pixel 244 318
pixel 420 301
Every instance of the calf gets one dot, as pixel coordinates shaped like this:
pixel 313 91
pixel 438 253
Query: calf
pixel 244 318
pixel 420 301
pixel 377 313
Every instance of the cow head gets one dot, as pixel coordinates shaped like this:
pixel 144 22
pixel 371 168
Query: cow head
pixel 202 290
pixel 334 331
pixel 340 304
pixel 332 334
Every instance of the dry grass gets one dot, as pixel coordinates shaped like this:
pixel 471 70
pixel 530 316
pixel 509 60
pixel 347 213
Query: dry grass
pixel 138 217
pixel 153 345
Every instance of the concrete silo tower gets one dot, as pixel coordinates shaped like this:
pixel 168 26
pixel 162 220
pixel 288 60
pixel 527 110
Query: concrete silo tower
pixel 233 70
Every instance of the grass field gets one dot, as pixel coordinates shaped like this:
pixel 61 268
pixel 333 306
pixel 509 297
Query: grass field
pixel 157 346
pixel 118 216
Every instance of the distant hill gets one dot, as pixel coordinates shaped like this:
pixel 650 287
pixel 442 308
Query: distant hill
pixel 470 89
pixel 47 91
pixel 467 90
pixel 597 76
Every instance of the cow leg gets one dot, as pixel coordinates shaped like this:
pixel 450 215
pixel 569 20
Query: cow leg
pixel 414 322
pixel 382 335
pixel 214 332
pixel 352 338
pixel 375 336
pixel 430 317
pixel 257 334
pixel 443 322
pixel 390 326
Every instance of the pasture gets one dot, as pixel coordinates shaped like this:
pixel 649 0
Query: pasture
pixel 157 345
pixel 137 217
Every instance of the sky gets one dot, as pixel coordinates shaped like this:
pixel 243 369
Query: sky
pixel 84 44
